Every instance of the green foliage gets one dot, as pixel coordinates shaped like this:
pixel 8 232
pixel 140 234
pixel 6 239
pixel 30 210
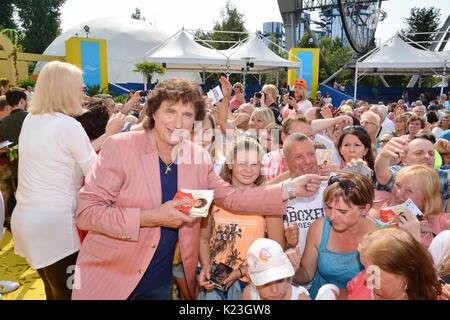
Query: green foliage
pixel 121 99
pixel 148 69
pixel 95 89
pixel 13 153
pixel 231 20
pixel 6 15
pixel 40 22
pixel 28 82
pixel 422 20
pixel 334 56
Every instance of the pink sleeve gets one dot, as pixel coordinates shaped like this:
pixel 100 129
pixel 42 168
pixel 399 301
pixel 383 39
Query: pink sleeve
pixel 96 208
pixel 266 200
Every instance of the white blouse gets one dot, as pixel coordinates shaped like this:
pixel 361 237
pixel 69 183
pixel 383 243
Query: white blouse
pixel 54 155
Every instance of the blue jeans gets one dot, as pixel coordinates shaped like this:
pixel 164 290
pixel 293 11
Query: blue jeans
pixel 161 293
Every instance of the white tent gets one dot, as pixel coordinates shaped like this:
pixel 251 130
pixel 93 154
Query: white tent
pixel 255 51
pixel 396 57
pixel 127 41
pixel 181 52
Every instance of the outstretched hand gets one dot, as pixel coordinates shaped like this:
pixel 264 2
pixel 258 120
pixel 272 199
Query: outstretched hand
pixel 226 87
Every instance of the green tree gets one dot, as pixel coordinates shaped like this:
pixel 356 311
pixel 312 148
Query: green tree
pixel 334 56
pixel 40 23
pixel 148 69
pixel 422 20
pixel 232 20
pixel 6 15
pixel 138 15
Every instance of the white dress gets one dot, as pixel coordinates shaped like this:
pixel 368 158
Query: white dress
pixel 54 155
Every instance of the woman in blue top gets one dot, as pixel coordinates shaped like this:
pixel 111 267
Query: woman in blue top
pixel 331 254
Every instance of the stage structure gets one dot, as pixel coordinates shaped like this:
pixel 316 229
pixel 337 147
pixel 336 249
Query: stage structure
pixel 355 20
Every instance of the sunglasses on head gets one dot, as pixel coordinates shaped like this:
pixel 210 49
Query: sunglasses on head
pixel 346 184
pixel 356 128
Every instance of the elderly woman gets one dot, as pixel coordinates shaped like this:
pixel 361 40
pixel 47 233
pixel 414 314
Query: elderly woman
pixel 127 202
pixel 371 122
pixel 55 154
pixel 330 255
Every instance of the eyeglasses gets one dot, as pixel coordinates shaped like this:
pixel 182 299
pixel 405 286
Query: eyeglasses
pixel 346 184
pixel 84 89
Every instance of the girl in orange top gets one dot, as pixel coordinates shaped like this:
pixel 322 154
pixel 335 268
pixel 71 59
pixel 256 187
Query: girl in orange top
pixel 226 236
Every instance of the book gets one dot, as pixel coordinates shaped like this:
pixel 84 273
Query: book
pixel 5 143
pixel 388 215
pixel 198 202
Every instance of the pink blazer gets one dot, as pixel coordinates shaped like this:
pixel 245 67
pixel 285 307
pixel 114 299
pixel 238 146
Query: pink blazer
pixel 117 251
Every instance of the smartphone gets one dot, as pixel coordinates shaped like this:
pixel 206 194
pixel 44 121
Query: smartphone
pixel 143 93
pixel 258 95
pixel 292 94
pixel 219 273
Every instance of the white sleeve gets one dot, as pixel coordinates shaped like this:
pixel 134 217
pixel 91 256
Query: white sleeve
pixel 327 292
pixel 74 140
pixel 440 247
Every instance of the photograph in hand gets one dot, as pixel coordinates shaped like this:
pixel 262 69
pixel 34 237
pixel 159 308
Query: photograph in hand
pixel 197 202
pixel 219 273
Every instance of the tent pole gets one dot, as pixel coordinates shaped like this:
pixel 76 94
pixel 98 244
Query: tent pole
pixel 443 78
pixel 356 83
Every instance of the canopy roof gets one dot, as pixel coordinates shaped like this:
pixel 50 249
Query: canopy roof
pixel 181 52
pixel 396 57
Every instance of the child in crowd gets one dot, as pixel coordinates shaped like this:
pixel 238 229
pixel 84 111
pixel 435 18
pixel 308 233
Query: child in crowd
pixel 225 235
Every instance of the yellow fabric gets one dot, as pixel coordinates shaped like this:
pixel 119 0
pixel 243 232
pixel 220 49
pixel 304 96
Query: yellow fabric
pixel 15 268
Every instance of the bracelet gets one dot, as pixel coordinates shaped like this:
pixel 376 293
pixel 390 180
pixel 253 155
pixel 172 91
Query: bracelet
pixel 240 272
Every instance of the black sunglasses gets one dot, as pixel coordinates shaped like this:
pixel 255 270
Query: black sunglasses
pixel 346 184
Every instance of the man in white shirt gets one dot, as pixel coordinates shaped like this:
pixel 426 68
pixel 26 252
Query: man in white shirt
pixel 301 159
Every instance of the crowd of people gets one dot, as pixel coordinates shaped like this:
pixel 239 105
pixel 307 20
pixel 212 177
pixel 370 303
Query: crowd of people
pixel 299 189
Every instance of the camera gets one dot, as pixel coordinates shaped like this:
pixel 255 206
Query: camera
pixel 258 95
pixel 143 93
pixel 219 273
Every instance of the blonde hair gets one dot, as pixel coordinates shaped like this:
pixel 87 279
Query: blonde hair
pixel 372 116
pixel 263 113
pixel 270 89
pixel 429 187
pixel 395 251
pixel 245 144
pixel 58 89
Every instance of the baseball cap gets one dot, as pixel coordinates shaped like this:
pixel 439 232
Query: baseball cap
pixel 300 82
pixel 432 107
pixel 267 262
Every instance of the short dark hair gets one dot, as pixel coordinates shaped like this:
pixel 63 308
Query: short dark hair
pixel 426 136
pixel 94 120
pixel 14 95
pixel 175 90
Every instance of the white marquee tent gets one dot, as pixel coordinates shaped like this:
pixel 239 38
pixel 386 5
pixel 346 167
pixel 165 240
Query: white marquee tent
pixel 181 52
pixel 396 57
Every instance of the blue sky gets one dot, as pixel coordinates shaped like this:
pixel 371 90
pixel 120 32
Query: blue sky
pixel 172 15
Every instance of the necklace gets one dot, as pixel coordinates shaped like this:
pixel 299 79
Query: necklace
pixel 168 168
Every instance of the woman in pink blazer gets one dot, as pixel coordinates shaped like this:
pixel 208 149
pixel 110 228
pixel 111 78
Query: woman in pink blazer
pixel 127 207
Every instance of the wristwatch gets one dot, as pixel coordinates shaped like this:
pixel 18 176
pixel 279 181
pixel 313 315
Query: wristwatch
pixel 288 187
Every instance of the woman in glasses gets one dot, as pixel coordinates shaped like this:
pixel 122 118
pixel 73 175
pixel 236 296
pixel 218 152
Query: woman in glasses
pixel 238 97
pixel 331 255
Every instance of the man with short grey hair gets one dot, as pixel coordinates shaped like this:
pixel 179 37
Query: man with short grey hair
pixel 386 125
